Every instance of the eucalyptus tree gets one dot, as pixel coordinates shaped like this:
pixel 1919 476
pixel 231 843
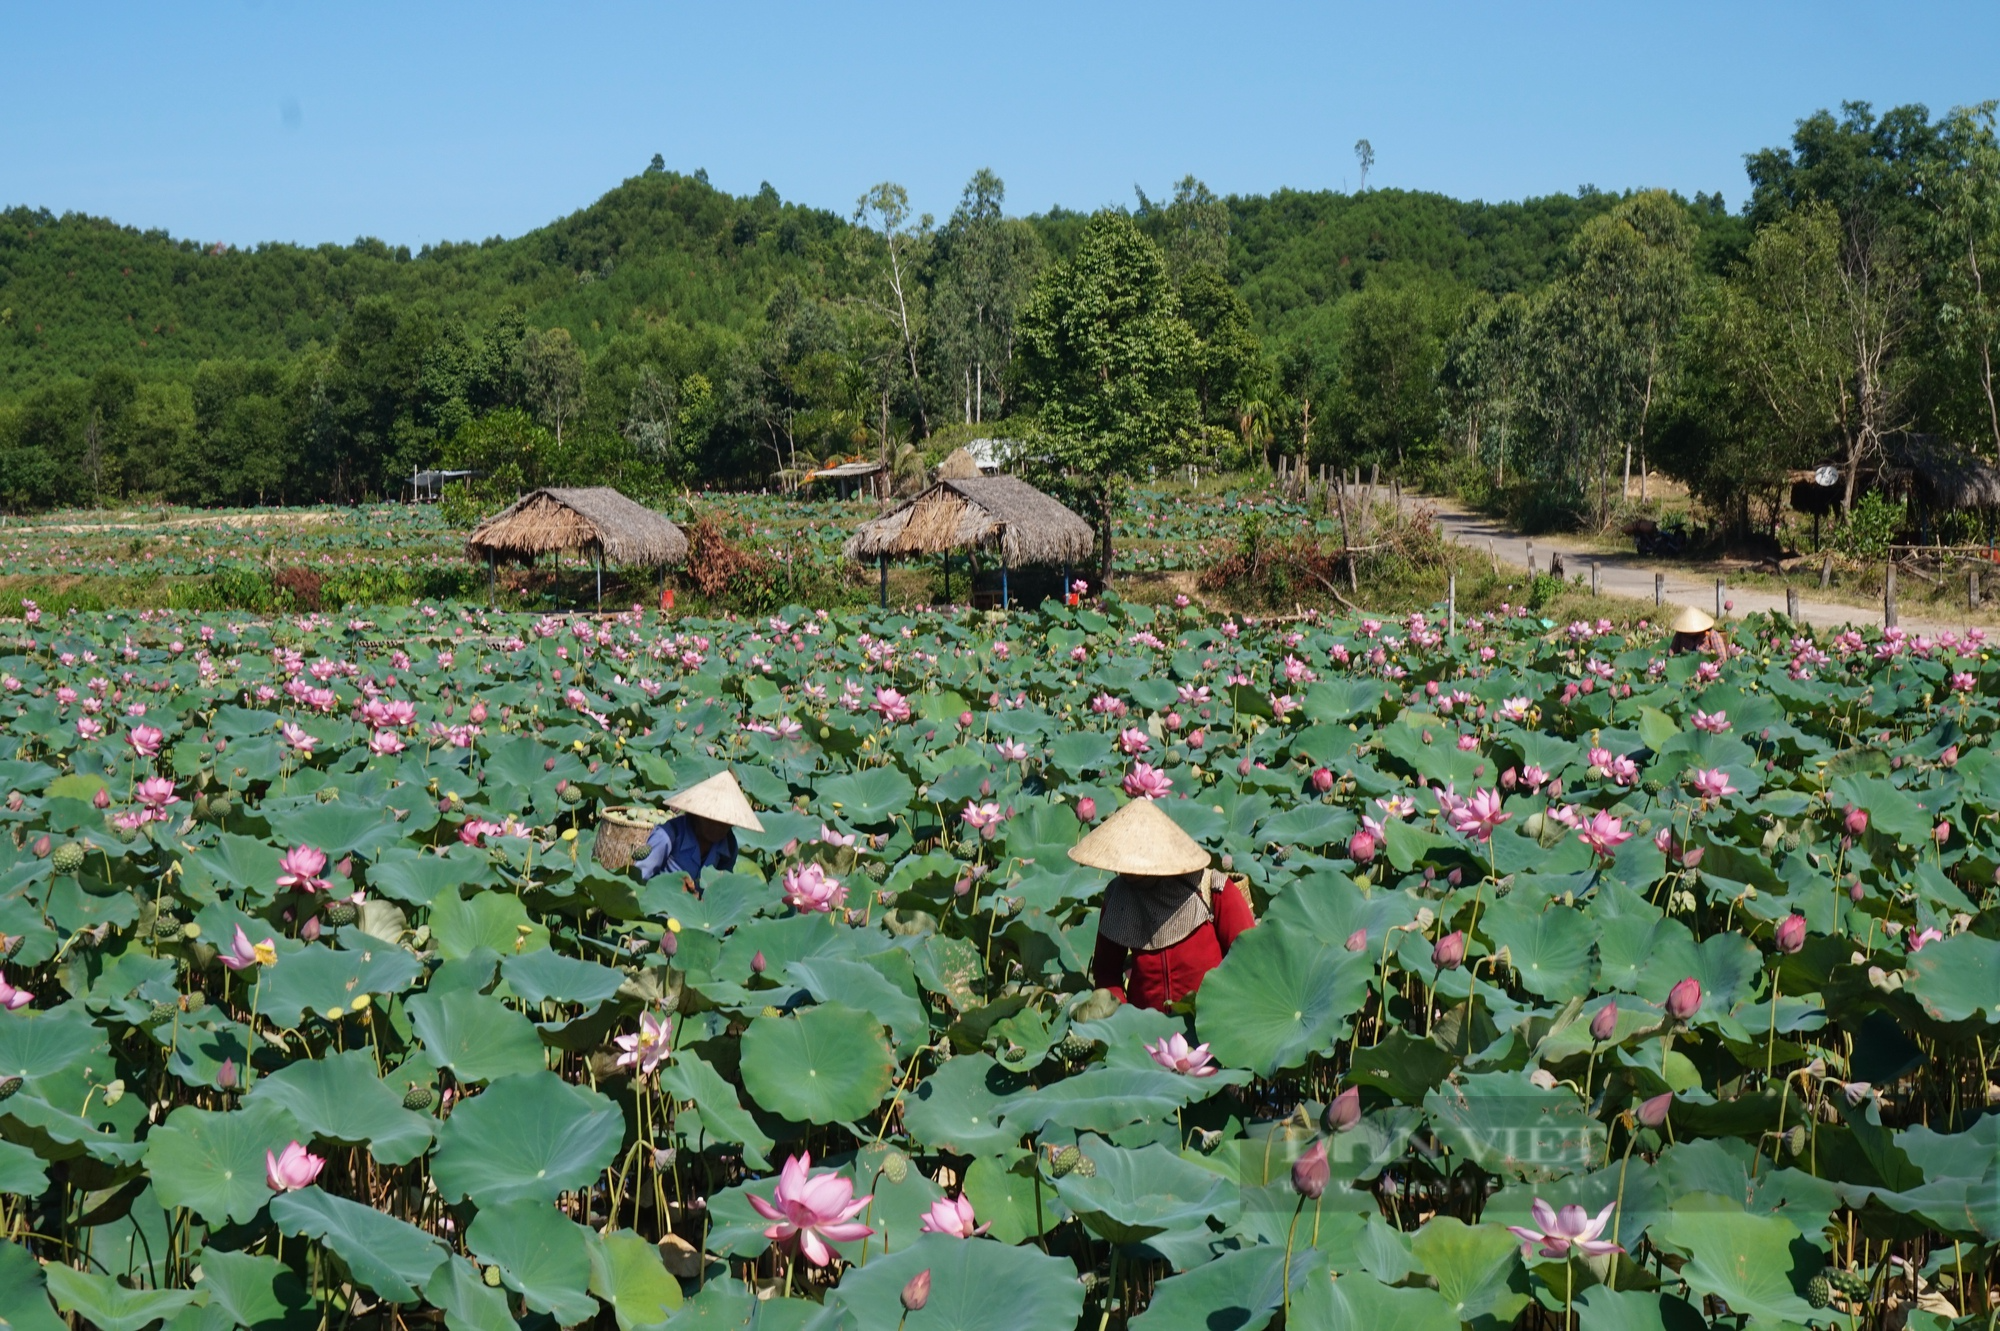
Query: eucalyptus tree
pixel 982 268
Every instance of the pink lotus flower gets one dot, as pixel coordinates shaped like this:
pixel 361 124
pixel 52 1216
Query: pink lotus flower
pixel 385 742
pixel 1175 1055
pixel 1571 1227
pixel 1361 846
pixel 1715 723
pixel 953 1216
pixel 893 706
pixel 1480 815
pixel 1684 999
pixel 981 818
pixel 1131 741
pixel 87 728
pixel 1711 783
pixel 302 867
pixel 299 739
pixel 145 740
pixel 293 1168
pixel 12 998
pixel 1012 750
pixel 156 793
pixel 1144 782
pixel 1449 951
pixel 1790 934
pixel 1603 833
pixel 1086 809
pixel 1916 943
pixel 243 953
pixel 831 837
pixel 1856 821
pixel 812 1212
pixel 1533 777
pixel 646 1048
pixel 809 888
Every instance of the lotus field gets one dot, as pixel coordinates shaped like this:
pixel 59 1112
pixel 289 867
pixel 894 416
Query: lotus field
pixel 1589 982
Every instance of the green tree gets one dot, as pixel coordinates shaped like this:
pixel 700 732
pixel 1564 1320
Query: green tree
pixel 1391 343
pixel 1961 183
pixel 552 370
pixel 983 266
pixel 1106 358
pixel 888 204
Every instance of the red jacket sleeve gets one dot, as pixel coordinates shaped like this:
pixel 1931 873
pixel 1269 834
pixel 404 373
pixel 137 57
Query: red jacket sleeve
pixel 1232 915
pixel 1107 967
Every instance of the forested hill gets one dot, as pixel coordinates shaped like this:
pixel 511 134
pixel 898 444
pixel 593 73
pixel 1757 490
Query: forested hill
pixel 672 334
pixel 78 293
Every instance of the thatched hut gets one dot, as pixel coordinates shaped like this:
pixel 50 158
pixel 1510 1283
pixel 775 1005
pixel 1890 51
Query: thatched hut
pixel 1941 476
pixel 594 520
pixel 998 514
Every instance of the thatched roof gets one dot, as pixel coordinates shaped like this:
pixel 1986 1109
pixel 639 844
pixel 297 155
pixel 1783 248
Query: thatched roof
pixel 959 465
pixel 593 517
pixel 983 513
pixel 1942 475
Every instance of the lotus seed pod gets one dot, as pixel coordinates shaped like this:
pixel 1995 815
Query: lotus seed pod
pixel 896 1166
pixel 163 1010
pixel 1819 1291
pixel 1065 1162
pixel 9 1085
pixel 1085 1166
pixel 770 1011
pixel 340 913
pixel 491 1275
pixel 68 857
pixel 166 927
pixel 419 1097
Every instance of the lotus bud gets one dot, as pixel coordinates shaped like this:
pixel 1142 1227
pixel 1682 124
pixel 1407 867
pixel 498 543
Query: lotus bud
pixel 1361 846
pixel 1449 954
pixel 1684 999
pixel 670 943
pixel 1509 779
pixel 757 963
pixel 1791 934
pixel 1857 821
pixel 42 846
pixel 1358 941
pixel 225 1076
pixel 1943 833
pixel 1555 790
pixel 1322 780
pixel 102 799
pixel 1243 767
pixel 1692 856
pixel 1605 1024
pixel 1086 810
pixel 549 764
pixel 346 866
pixel 1311 1171
pixel 1949 758
pixel 1652 1113
pixel 1455 877
pixel 917 1292
pixel 1343 1111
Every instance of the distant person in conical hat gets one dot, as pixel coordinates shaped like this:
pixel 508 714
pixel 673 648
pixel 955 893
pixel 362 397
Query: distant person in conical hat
pixel 704 836
pixel 1167 918
pixel 1694 631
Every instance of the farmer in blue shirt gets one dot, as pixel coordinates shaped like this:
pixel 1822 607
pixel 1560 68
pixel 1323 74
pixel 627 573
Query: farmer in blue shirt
pixel 704 836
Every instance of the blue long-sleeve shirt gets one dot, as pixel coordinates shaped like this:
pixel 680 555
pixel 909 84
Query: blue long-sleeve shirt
pixel 673 846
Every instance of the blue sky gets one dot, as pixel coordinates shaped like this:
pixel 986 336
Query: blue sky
pixel 420 122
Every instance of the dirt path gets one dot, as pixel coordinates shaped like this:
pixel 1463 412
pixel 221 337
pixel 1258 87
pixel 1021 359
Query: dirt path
pixel 1627 575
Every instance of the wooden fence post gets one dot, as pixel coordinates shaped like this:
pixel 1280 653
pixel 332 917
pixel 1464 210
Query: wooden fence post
pixel 1451 603
pixel 1972 589
pixel 1791 603
pixel 1659 590
pixel 1889 597
pixel 1593 577
pixel 1826 573
pixel 1718 600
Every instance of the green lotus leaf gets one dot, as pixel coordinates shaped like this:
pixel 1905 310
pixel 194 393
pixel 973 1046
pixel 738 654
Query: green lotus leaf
pixel 1010 1200
pixel 1549 948
pixel 723 1117
pixel 467 1301
pixel 1238 1290
pixel 389 1256
pixel 861 985
pixel 543 974
pixel 1321 1300
pixel 558 1137
pixel 869 798
pixel 976 1285
pixel 253 1291
pixel 475 1035
pixel 1280 996
pixel 1757 1264
pixel 23 1293
pixel 1103 1099
pixel 22 1172
pixel 110 1306
pixel 1137 1194
pixel 957 1107
pixel 338 829
pixel 1606 1309
pixel 317 979
pixel 418 879
pixel 496 920
pixel 340 1098
pixel 1956 976
pixel 543 1255
pixel 212 1161
pixel 827 1064
pixel 627 1273
pixel 1476 1268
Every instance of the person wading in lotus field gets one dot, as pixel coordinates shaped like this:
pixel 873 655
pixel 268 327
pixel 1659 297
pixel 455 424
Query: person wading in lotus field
pixel 1167 918
pixel 1694 631
pixel 704 836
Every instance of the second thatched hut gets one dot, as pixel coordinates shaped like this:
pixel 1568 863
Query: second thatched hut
pixel 1000 515
pixel 595 520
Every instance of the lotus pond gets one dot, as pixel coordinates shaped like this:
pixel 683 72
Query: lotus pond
pixel 1590 982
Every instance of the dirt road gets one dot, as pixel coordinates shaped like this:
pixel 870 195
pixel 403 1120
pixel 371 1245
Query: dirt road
pixel 1627 575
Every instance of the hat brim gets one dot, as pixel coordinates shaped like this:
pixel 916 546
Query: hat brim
pixel 1140 839
pixel 718 799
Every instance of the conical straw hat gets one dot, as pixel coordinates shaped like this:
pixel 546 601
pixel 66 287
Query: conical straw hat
pixel 1691 620
pixel 719 798
pixel 1140 839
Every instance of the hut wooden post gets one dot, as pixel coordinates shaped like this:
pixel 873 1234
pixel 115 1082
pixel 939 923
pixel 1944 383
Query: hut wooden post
pixel 1451 604
pixel 883 561
pixel 1889 597
pixel 1659 589
pixel 492 580
pixel 600 577
pixel 1006 601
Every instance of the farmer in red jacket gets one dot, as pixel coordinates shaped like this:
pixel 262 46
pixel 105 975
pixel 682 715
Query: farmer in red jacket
pixel 1167 918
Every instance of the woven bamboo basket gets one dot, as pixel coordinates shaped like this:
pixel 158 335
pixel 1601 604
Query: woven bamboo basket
pixel 622 833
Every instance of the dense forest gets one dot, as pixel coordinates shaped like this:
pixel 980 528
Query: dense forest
pixel 672 335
